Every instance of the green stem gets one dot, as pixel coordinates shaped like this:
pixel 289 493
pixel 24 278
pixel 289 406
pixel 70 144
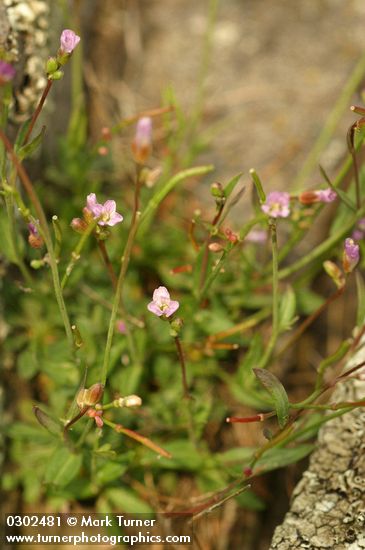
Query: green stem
pixel 322 249
pixel 75 254
pixel 120 282
pixel 275 297
pixel 332 121
pixel 24 178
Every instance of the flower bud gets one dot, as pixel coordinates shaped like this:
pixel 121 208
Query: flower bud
pixel 57 75
pixel 68 41
pixel 215 247
pixel 78 225
pixel 142 143
pixel 34 238
pixel 335 273
pixel 217 190
pixel 132 401
pixel 351 255
pixel 51 65
pixel 176 326
pixel 89 397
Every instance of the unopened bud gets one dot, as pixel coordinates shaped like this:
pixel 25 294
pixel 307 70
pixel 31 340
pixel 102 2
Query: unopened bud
pixel 335 273
pixel 51 65
pixel 103 151
pixel 308 197
pixel 351 255
pixel 106 133
pixel 89 397
pixel 215 247
pixel 78 225
pixel 176 326
pixel 142 143
pixel 57 75
pixel 217 190
pixel 132 401
pixel 34 238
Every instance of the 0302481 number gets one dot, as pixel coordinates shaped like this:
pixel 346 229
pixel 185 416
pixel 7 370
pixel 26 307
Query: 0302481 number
pixel 32 521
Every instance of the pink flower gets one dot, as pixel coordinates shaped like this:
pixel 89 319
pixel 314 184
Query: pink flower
pixel 142 143
pixel 105 213
pixel 351 255
pixel 68 41
pixel 326 195
pixel 321 195
pixel 121 327
pixel 161 304
pixel 7 72
pixel 277 204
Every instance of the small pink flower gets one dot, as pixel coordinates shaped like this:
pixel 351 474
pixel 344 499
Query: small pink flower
pixel 105 213
pixel 161 304
pixel 351 255
pixel 7 72
pixel 277 204
pixel 68 41
pixel 326 195
pixel 320 195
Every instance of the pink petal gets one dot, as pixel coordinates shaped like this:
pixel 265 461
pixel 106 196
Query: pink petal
pixel 161 293
pixel 153 308
pixel 173 306
pixel 114 219
pixel 110 206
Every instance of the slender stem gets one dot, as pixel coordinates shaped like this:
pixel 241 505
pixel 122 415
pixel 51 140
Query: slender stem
pixel 204 266
pixel 183 367
pixel 24 178
pixel 108 264
pixel 120 282
pixel 75 254
pixel 138 437
pixel 309 320
pixel 320 250
pixel 275 296
pixel 38 110
pixel 357 178
pixel 331 123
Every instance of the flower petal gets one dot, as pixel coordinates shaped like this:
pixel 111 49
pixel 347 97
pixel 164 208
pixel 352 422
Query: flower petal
pixel 153 308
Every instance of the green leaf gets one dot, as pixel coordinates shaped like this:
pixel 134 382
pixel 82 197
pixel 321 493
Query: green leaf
pixel 27 364
pixel 27 150
pixel 21 134
pixel 277 392
pixel 307 301
pixel 342 195
pixel 109 471
pixel 159 196
pixel 128 501
pixel 53 426
pixel 236 454
pixel 184 456
pixel 287 310
pixel 63 467
pixel 360 287
pixel 279 457
pixel 231 185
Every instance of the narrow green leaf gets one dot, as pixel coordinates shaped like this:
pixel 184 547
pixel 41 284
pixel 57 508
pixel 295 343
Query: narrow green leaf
pixel 128 501
pixel 360 286
pixel 280 457
pixel 287 310
pixel 63 467
pixel 341 194
pixel 27 150
pixel 21 134
pixel 277 392
pixel 231 185
pixel 53 426
pixel 156 200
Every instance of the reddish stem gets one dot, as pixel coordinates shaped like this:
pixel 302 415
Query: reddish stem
pixel 38 110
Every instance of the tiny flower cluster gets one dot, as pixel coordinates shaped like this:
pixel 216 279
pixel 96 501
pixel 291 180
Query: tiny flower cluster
pixel 68 42
pixel 105 214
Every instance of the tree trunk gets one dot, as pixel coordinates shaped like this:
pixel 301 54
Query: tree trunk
pixel 328 504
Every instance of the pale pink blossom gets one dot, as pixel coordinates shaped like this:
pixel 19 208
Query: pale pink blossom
pixel 161 304
pixel 277 204
pixel 68 41
pixel 7 72
pixel 106 213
